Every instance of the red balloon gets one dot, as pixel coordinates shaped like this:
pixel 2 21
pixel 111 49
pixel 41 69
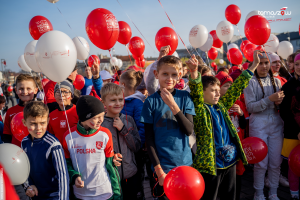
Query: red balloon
pixel 39 25
pixel 243 44
pixel 102 28
pixel 184 182
pixel 138 58
pixel 45 81
pixel 136 46
pixel 93 58
pixel 17 127
pixel 217 42
pixel 233 14
pixel 294 160
pixel 235 56
pixel 10 88
pixel 124 32
pixel 79 82
pixel 255 149
pixel 248 51
pixel 140 63
pixel 257 29
pixel 164 37
pixel 260 48
pixel 212 53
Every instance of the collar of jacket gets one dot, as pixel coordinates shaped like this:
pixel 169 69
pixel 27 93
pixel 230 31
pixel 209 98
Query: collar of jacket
pixel 83 131
pixel 37 140
pixel 67 107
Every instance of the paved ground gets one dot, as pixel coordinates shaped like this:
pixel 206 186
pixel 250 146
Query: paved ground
pixel 247 192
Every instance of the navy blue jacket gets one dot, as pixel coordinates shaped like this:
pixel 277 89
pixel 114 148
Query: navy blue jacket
pixel 48 167
pixel 133 107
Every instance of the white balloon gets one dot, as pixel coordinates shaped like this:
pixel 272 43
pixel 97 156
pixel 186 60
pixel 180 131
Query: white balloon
pixel 53 1
pixel 225 31
pixel 221 61
pixel 175 54
pixel 29 54
pixel 232 45
pixel 114 61
pixel 15 162
pixel 82 47
pixel 285 48
pixel 272 44
pixel 252 13
pixel 22 64
pixel 56 55
pixel 120 63
pixel 198 36
pixel 208 44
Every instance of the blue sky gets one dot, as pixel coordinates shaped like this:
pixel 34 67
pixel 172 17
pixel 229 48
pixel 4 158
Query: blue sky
pixel 147 15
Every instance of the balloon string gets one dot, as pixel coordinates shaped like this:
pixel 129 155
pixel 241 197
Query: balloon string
pixel 128 54
pixel 239 32
pixel 135 25
pixel 69 128
pixel 73 31
pixel 174 28
pixel 229 55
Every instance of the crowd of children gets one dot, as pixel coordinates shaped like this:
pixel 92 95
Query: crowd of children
pixel 97 143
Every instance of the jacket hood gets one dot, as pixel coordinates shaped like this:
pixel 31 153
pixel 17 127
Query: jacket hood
pixel 137 95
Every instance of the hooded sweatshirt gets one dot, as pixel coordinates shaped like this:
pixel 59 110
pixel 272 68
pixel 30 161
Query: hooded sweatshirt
pixel 133 107
pixel 126 142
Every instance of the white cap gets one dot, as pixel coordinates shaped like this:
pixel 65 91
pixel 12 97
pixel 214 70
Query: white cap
pixel 105 75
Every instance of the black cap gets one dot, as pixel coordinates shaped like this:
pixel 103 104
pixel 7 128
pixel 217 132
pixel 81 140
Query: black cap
pixel 88 106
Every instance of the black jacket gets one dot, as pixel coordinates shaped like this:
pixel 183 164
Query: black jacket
pixel 287 108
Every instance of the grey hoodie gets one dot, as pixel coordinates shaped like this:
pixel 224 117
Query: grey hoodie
pixel 125 145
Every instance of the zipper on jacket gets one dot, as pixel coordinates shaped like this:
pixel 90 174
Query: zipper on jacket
pixel 120 153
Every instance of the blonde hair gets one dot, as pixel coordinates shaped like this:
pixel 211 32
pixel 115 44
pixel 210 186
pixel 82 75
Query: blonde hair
pixel 26 77
pixel 110 88
pixel 132 79
pixel 171 61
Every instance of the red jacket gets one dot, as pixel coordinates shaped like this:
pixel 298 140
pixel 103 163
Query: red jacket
pixel 282 80
pixel 49 91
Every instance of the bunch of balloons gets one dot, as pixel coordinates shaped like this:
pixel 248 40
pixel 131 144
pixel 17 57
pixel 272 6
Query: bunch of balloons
pixel 116 62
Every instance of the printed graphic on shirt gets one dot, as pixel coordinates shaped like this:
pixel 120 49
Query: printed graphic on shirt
pixel 63 123
pixel 99 144
pixel 167 120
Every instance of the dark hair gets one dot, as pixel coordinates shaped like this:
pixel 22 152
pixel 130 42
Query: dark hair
pixel 200 60
pixel 169 60
pixel 260 83
pixel 2 99
pixel 223 69
pixel 35 109
pixel 115 67
pixel 209 80
pixel 291 58
pixel 203 69
pixel 283 72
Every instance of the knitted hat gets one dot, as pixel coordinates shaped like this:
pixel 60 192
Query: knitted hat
pixel 64 84
pixel 233 68
pixel 274 57
pixel 264 55
pixel 223 77
pixel 88 107
pixel 297 57
pixel 105 75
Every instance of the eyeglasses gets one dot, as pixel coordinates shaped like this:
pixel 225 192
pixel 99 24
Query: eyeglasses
pixel 64 93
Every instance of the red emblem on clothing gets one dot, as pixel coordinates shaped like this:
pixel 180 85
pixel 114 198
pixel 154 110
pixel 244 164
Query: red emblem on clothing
pixel 99 144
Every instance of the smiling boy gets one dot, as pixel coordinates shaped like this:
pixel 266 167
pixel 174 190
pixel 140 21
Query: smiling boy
pixel 168 118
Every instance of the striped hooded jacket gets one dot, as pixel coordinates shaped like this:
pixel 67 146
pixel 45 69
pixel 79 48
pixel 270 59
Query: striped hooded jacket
pixel 205 159
pixel 48 168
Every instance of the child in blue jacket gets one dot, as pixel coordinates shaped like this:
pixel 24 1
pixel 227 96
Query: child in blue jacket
pixel 48 177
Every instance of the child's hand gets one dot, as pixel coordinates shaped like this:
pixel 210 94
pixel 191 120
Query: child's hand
pixel 79 183
pixel 168 98
pixel 95 70
pixel 236 108
pixel 192 63
pixel 164 51
pixel 117 158
pixel 256 60
pixel 32 191
pixel 118 124
pixel 277 96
